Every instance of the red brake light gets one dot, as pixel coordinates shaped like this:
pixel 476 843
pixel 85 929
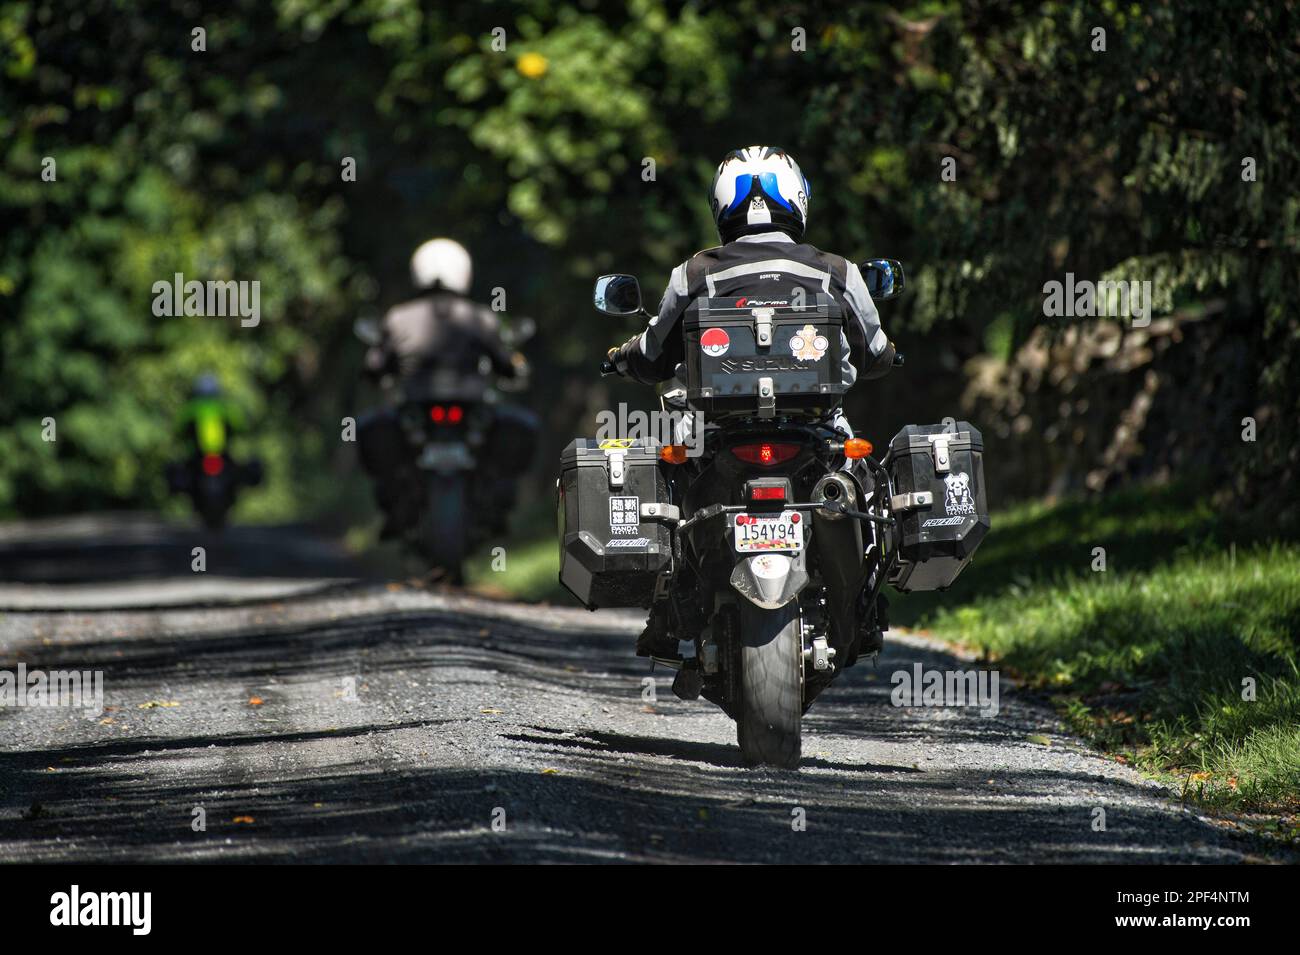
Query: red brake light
pixel 455 413
pixel 437 414
pixel 212 464
pixel 765 454
pixel 767 493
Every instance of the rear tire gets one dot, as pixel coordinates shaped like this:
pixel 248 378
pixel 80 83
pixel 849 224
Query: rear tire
pixel 444 525
pixel 771 685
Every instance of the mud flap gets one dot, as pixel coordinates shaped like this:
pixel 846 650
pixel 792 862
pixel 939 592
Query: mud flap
pixel 769 580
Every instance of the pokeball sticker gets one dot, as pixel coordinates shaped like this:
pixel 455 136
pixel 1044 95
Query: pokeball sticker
pixel 715 342
pixel 807 345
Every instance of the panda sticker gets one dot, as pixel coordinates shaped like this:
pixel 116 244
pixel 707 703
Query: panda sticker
pixel 957 498
pixel 715 342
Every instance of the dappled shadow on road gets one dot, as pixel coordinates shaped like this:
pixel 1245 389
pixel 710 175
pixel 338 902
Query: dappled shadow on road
pixel 365 642
pixel 359 813
pixel 649 783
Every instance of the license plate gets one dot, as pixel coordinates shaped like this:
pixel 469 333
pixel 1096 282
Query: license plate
pixel 446 456
pixel 767 532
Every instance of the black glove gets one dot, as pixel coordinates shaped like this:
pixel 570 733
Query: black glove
pixel 618 356
pixel 881 364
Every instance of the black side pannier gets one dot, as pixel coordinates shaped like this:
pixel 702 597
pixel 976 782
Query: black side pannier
pixel 938 477
pixel 610 553
pixel 755 356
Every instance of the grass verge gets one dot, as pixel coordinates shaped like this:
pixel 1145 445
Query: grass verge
pixel 1180 656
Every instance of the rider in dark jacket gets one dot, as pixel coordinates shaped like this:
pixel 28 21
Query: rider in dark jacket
pixel 443 344
pixel 760 205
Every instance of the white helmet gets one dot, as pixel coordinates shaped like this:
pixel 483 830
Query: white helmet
pixel 441 263
pixel 759 189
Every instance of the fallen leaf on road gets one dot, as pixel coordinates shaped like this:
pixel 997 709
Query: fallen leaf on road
pixel 491 711
pixel 550 772
pixel 154 704
pixel 243 819
pixel 255 701
pixel 1040 739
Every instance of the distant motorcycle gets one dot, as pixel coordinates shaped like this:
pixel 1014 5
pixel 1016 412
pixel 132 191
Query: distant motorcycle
pixel 212 481
pixel 430 449
pixel 208 474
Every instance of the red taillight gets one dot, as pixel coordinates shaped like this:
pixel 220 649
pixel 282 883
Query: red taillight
pixel 765 454
pixel 213 464
pixel 767 493
pixel 446 414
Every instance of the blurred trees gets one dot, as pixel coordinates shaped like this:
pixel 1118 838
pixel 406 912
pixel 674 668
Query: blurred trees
pixel 226 164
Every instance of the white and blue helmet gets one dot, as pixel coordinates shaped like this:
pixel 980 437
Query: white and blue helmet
pixel 759 189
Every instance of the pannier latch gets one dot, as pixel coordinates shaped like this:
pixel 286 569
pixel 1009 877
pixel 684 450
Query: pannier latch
pixel 616 468
pixel 763 326
pixel 766 398
pixel 661 512
pixel 910 502
pixel 940 442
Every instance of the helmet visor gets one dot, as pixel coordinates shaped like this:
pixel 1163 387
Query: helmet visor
pixel 766 182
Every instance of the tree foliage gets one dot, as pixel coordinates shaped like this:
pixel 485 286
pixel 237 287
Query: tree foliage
pixel 226 163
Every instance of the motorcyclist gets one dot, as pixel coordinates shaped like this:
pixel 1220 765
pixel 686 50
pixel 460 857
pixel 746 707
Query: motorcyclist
pixel 208 419
pixel 760 206
pixel 442 329
pixel 438 344
pixel 205 424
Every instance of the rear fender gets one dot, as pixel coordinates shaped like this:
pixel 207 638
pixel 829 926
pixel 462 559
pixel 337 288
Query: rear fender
pixel 769 580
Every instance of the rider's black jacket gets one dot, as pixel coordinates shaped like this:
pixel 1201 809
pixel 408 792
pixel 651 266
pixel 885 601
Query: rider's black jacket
pixel 767 265
pixel 441 330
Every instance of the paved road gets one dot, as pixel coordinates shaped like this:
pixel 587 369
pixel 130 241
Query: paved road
pixel 373 722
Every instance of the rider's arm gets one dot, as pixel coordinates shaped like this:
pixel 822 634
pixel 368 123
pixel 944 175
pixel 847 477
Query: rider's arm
pixel 872 351
pixel 653 356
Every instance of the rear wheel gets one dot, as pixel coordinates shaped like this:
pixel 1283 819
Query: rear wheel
pixel 771 685
pixel 444 525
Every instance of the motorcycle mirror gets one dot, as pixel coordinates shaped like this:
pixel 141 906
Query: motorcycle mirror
pixel 884 278
pixel 617 295
pixel 367 329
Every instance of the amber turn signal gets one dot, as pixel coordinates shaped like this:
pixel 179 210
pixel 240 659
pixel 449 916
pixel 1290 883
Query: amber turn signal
pixel 857 448
pixel 673 454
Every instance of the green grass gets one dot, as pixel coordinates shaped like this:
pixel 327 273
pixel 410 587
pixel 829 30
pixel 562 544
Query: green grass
pixel 1152 657
pixel 528 564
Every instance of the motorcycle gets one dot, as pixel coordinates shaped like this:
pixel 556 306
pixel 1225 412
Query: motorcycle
pixel 430 446
pixel 212 481
pixel 767 551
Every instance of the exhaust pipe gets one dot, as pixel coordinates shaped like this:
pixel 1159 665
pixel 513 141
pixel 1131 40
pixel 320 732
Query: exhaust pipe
pixel 836 487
